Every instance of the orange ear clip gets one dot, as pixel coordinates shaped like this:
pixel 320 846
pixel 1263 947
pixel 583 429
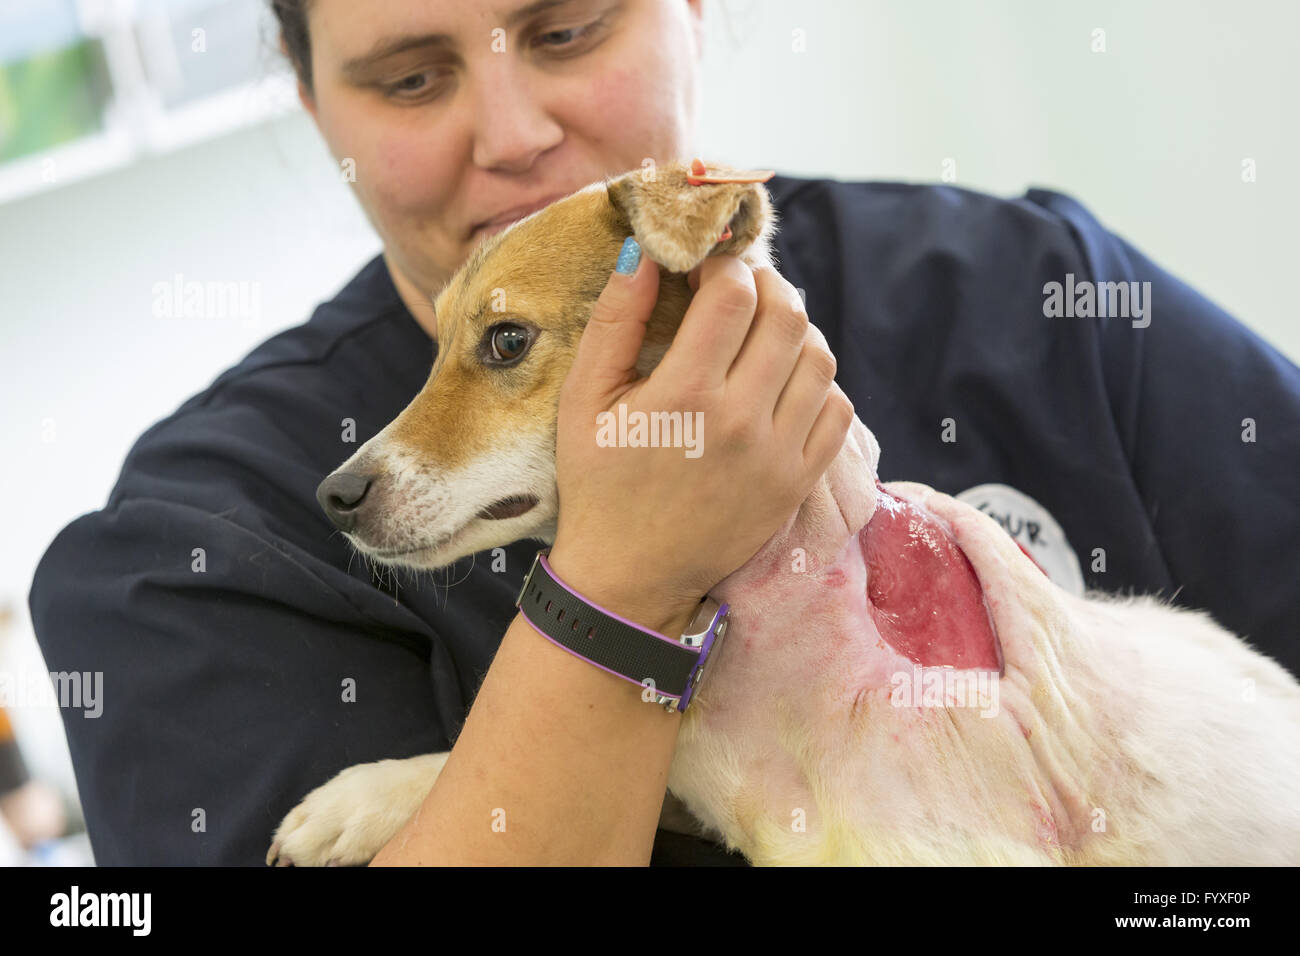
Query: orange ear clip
pixel 700 175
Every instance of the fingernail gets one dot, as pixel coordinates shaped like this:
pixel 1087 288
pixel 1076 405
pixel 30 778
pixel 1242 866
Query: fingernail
pixel 628 257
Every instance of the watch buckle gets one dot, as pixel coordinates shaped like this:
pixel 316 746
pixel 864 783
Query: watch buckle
pixel 701 623
pixel 528 578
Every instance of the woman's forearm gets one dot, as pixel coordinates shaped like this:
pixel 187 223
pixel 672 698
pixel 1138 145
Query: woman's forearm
pixel 558 762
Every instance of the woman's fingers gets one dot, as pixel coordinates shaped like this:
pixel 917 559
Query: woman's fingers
pixel 807 387
pixel 828 431
pixel 751 379
pixel 776 338
pixel 714 327
pixel 783 369
pixel 613 338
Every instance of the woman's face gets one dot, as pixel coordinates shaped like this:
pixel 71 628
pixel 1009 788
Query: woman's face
pixel 457 111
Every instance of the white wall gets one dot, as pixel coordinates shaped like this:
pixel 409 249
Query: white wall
pixel 1150 135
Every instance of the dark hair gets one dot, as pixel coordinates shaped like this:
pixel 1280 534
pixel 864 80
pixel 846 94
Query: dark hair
pixel 292 15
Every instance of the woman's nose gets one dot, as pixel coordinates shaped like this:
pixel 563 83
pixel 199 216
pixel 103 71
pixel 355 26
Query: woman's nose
pixel 512 124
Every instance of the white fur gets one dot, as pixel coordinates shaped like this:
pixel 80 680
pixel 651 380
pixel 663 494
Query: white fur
pixel 440 507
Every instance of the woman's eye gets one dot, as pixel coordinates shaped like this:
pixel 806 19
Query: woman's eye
pixel 559 37
pixel 411 87
pixel 509 342
pixel 562 40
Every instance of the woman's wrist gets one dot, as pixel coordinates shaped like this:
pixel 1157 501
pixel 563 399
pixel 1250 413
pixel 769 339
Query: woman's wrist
pixel 625 593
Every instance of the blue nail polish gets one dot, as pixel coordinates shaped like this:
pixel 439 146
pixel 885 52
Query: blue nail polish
pixel 629 257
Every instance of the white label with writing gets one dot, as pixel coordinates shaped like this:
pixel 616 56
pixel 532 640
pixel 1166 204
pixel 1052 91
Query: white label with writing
pixel 1034 527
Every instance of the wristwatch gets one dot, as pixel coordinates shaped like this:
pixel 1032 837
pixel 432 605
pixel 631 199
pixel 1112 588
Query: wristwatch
pixel 670 668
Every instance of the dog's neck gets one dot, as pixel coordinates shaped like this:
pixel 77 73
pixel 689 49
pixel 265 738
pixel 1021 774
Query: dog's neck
pixel 840 504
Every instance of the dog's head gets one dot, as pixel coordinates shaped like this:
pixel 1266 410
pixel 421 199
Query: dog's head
pixel 470 463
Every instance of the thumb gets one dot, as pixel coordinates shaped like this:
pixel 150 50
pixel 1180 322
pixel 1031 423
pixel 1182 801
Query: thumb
pixel 611 343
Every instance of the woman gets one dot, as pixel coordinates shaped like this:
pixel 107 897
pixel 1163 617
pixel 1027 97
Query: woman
pixel 253 662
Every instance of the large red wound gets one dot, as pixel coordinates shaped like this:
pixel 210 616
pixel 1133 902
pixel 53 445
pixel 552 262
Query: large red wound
pixel 925 596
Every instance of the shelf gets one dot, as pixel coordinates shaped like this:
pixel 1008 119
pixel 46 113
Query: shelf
pixel 162 133
pixel 154 94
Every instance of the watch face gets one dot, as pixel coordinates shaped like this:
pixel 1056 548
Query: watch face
pixel 699 627
pixel 712 641
pixel 710 652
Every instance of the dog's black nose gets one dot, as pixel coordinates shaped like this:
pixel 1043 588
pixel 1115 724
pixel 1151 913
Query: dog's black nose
pixel 341 495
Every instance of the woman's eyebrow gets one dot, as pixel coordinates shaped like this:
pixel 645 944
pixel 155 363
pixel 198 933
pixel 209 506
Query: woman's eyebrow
pixel 385 47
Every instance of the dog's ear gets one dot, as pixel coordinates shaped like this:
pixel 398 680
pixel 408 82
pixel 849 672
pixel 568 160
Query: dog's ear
pixel 680 216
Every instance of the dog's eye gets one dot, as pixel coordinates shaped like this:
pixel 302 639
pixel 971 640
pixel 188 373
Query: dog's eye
pixel 508 342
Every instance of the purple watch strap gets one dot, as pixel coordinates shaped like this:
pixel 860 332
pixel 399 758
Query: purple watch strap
pixel 606 611
pixel 608 640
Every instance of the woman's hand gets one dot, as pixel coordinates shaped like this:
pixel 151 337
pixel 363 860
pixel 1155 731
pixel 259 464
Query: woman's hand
pixel 645 531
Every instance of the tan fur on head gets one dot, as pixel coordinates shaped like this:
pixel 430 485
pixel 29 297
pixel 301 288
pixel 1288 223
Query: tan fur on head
pixel 480 431
pixel 678 224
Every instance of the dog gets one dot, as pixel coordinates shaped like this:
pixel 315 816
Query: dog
pixel 1093 730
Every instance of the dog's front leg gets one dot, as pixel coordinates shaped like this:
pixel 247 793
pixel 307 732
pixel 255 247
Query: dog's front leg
pixel 347 821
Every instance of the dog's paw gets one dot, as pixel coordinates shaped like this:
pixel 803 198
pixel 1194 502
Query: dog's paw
pixel 348 820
